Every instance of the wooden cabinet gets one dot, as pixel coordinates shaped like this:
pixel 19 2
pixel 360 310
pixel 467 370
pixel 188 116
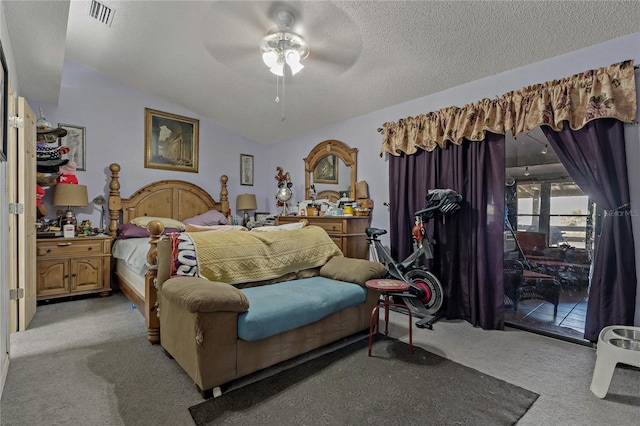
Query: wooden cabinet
pixel 73 266
pixel 348 232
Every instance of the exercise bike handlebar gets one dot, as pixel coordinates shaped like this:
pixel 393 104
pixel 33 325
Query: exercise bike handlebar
pixel 448 204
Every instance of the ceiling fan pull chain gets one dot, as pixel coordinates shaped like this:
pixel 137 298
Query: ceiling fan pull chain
pixel 277 89
pixel 282 106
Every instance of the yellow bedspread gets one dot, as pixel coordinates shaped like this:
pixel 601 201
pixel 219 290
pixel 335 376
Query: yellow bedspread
pixel 237 257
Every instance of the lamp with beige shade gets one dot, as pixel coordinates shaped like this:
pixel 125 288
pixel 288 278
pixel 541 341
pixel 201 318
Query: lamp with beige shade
pixel 70 196
pixel 246 202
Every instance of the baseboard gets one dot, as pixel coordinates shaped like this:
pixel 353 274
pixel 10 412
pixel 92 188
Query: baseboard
pixel 5 370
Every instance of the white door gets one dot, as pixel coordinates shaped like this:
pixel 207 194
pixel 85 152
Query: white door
pixel 26 220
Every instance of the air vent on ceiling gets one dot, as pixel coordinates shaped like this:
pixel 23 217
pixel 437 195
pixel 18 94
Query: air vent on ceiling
pixel 102 12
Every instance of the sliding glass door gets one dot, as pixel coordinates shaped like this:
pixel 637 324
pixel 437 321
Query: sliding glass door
pixel 550 229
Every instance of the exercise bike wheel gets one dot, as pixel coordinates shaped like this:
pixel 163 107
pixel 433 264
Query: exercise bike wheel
pixel 431 293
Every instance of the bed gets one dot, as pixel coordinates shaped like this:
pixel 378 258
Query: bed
pixel 174 199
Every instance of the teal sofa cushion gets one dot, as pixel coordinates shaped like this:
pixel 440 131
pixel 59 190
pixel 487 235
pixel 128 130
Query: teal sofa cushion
pixel 284 306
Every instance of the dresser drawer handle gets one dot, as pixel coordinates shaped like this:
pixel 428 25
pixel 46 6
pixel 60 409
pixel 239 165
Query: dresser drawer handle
pixel 90 248
pixel 48 250
pixel 63 244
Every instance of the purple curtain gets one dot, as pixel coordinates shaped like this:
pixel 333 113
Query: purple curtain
pixel 469 244
pixel 595 158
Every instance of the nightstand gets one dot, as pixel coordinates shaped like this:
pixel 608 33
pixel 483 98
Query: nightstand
pixel 73 266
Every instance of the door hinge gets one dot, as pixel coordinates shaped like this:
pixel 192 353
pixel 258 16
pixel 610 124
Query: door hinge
pixel 16 208
pixel 16 293
pixel 16 122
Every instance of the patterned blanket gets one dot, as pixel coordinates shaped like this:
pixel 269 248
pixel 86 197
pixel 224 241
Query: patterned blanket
pixel 237 257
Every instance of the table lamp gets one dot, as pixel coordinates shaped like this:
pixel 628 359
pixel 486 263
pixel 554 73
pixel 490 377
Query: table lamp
pixel 100 201
pixel 246 202
pixel 70 195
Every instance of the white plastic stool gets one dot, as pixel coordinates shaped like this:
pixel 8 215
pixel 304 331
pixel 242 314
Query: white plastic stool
pixel 616 343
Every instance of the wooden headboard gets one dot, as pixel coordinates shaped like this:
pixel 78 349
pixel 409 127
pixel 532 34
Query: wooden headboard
pixel 176 199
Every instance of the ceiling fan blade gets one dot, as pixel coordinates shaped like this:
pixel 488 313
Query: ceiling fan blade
pixel 237 17
pixel 334 39
pixel 340 60
pixel 231 29
pixel 225 53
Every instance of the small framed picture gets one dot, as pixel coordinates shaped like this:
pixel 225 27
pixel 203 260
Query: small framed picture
pixel 75 140
pixel 246 169
pixel 262 216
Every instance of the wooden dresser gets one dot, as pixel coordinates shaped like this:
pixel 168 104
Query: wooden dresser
pixel 348 232
pixel 73 266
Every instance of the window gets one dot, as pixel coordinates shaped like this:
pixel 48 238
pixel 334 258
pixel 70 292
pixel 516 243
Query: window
pixel 569 215
pixel 528 206
pixel 559 209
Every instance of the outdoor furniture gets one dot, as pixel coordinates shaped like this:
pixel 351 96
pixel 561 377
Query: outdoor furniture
pixel 540 286
pixel 513 272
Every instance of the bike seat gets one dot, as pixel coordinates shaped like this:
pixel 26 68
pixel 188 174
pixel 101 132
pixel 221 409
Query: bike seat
pixel 375 232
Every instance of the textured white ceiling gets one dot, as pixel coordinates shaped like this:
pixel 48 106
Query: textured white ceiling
pixel 365 55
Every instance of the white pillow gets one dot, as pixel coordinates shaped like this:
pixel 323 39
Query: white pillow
pixel 168 222
pixel 286 227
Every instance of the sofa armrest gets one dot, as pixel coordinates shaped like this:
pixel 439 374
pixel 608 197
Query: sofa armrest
pixel 202 295
pixel 357 271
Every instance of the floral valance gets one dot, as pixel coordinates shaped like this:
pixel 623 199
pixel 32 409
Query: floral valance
pixel 605 92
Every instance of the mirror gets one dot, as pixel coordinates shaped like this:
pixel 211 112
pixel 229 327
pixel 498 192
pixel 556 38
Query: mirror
pixel 326 157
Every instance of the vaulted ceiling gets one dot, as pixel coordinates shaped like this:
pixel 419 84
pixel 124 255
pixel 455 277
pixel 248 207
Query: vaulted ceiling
pixel 365 55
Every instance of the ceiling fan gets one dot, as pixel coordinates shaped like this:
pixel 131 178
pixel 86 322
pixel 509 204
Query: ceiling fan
pixel 282 49
pixel 234 34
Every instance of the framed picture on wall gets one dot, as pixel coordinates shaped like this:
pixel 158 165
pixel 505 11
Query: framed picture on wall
pixel 246 169
pixel 4 94
pixel 327 170
pixel 170 141
pixel 75 140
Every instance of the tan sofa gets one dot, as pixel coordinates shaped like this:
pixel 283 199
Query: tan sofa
pixel 199 320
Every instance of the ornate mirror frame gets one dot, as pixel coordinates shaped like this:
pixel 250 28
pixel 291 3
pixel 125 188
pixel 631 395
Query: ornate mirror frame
pixel 331 147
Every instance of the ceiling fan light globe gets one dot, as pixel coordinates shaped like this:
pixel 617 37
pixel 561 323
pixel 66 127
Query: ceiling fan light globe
pixel 293 60
pixel 295 67
pixel 270 58
pixel 292 56
pixel 278 69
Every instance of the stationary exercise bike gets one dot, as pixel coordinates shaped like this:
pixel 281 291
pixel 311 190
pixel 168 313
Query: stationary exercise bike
pixel 425 296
